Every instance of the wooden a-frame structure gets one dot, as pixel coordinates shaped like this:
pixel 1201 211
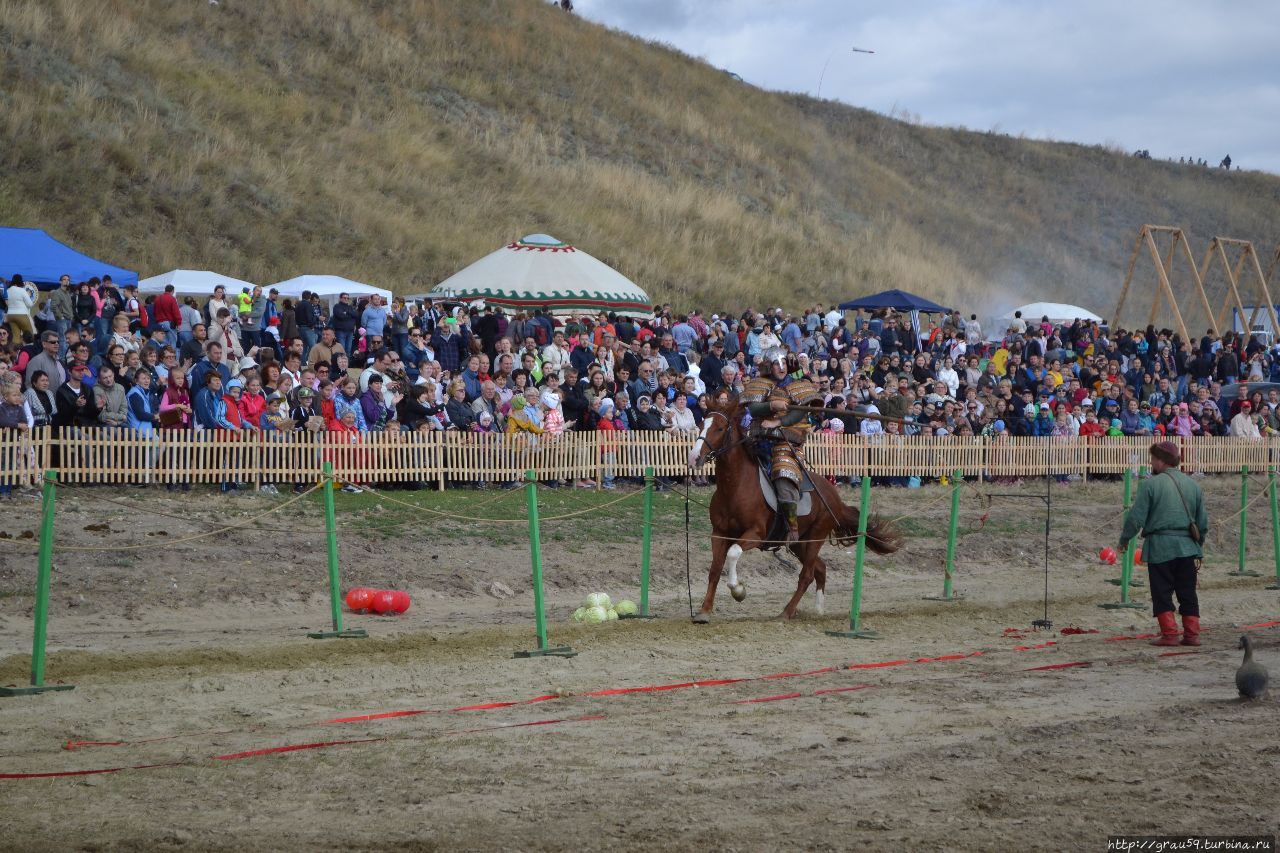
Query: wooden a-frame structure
pixel 1164 270
pixel 1218 248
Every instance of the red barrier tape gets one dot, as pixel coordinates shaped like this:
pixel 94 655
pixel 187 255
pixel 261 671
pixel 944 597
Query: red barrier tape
pixel 767 699
pixel 844 689
pixel 87 772
pixel 1271 624
pixel 583 719
pixel 364 718
pixel 297 747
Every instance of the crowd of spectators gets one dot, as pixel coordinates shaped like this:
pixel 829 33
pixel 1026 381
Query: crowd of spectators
pixel 94 355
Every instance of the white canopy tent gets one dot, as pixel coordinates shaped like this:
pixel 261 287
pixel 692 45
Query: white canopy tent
pixel 191 283
pixel 329 288
pixel 1057 312
pixel 539 271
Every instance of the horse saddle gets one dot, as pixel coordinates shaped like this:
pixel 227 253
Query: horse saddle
pixel 771 497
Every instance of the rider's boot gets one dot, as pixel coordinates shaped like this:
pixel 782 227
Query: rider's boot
pixel 793 524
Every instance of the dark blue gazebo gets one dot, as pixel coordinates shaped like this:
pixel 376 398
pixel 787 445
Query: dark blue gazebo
pixel 898 300
pixel 39 258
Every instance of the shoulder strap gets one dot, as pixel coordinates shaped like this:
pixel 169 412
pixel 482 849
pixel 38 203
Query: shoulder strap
pixel 1178 489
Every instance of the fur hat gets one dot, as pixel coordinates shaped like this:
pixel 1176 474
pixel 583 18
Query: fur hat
pixel 1167 452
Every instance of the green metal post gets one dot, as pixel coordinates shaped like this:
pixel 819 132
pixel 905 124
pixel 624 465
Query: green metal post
pixel 1125 581
pixel 860 554
pixel 44 575
pixel 1275 523
pixel 1241 571
pixel 645 543
pixel 335 584
pixel 952 529
pixel 535 552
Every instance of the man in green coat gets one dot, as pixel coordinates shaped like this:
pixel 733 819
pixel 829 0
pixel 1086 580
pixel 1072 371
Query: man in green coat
pixel 1170 513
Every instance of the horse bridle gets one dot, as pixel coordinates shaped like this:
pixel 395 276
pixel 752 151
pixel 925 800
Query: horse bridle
pixel 728 445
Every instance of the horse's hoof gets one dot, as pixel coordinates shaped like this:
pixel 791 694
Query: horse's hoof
pixel 702 618
pixel 738 591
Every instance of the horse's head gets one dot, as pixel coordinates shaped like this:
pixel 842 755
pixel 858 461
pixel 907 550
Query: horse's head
pixel 716 435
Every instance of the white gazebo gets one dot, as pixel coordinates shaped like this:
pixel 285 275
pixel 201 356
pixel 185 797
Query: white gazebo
pixel 539 271
pixel 191 283
pixel 1057 312
pixel 328 287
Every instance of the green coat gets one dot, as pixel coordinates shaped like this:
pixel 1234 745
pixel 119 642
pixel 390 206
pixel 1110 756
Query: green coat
pixel 1159 515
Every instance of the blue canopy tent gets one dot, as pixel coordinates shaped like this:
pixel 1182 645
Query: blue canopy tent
pixel 898 300
pixel 37 257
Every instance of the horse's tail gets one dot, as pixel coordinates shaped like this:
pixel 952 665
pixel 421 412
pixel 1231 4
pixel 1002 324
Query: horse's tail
pixel 882 536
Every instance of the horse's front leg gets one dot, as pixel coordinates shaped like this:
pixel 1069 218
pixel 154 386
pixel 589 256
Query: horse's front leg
pixel 736 589
pixel 719 550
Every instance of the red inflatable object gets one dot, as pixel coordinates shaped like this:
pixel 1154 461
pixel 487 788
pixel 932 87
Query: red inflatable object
pixel 359 599
pixel 1108 555
pixel 384 601
pixel 401 601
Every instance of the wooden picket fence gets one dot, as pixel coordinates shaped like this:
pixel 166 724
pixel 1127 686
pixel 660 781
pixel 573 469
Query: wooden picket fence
pixel 178 456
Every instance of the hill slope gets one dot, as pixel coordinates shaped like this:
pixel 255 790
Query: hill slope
pixel 398 141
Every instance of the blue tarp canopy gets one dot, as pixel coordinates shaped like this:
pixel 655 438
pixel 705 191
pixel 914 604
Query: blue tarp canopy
pixel 898 300
pixel 37 257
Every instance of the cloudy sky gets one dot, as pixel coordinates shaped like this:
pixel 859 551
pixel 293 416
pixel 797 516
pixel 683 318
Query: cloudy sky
pixel 1178 78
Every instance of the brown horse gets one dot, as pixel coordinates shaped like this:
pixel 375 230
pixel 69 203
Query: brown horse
pixel 741 520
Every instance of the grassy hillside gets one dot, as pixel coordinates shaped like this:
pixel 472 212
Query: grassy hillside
pixel 397 141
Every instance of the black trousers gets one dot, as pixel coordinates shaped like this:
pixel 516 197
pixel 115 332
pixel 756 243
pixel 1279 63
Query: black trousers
pixel 1175 577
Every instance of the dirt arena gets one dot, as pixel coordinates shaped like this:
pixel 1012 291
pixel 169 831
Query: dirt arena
pixel 187 651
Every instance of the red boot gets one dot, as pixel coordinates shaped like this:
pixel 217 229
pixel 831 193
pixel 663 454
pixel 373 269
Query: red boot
pixel 1168 629
pixel 1190 630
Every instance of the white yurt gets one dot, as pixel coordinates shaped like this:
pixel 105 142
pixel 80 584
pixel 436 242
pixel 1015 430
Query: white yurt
pixel 539 271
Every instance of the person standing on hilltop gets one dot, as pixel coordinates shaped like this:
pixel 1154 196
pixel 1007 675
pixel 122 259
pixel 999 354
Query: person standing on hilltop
pixel 1170 513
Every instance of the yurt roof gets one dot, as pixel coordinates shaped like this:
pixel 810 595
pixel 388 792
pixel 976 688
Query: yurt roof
pixel 539 271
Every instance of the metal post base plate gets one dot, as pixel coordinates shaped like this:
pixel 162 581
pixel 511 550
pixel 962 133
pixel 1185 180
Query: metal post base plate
pixel 349 634
pixel 553 651
pixel 1132 582
pixel 638 616
pixel 955 596
pixel 1274 586
pixel 854 635
pixel 1119 605
pixel 30 691
pixel 1245 574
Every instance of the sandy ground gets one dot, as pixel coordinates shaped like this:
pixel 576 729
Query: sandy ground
pixel 199 650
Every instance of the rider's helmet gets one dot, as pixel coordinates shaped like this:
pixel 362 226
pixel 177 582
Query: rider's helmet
pixel 775 357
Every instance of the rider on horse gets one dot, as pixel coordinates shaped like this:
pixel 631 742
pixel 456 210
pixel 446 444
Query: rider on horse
pixel 779 431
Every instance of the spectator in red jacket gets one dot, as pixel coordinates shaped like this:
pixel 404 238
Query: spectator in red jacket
pixel 166 314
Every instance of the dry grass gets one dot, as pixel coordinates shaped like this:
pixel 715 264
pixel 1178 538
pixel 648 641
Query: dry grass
pixel 396 142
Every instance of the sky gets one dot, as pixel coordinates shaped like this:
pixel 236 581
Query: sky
pixel 1179 79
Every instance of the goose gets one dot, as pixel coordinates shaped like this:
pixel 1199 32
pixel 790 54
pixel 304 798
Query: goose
pixel 1251 677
